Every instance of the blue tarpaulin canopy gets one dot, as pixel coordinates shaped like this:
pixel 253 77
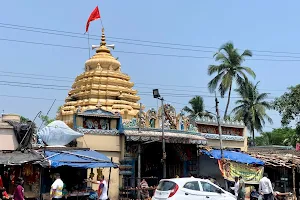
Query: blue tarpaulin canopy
pixel 234 156
pixel 78 158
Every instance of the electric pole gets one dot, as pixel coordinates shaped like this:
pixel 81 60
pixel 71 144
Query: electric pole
pixel 139 153
pixel 219 126
pixel 163 138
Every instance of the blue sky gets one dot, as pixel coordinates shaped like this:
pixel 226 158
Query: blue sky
pixel 256 25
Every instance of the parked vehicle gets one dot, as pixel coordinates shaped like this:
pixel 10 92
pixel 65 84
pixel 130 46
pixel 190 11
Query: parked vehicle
pixel 190 189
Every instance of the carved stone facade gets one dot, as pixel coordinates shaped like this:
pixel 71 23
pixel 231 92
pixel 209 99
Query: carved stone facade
pixel 233 132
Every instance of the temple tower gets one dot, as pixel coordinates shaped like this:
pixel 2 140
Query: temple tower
pixel 101 84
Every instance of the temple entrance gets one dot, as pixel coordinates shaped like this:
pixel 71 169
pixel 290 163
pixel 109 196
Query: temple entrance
pixel 177 159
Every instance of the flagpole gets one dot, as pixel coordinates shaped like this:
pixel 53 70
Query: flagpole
pixel 101 19
pixel 89 44
pixel 101 23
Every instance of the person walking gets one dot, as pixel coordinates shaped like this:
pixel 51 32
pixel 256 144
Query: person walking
pixel 265 188
pixel 236 187
pixel 241 191
pixel 19 190
pixel 56 192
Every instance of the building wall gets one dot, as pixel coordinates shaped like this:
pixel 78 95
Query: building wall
pixel 111 146
pixel 236 135
pixel 227 144
pixel 8 139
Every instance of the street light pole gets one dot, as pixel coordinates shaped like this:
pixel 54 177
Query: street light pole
pixel 163 138
pixel 164 155
pixel 219 126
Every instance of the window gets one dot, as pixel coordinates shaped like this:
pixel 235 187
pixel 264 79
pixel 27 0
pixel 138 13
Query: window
pixel 207 187
pixel 166 185
pixel 193 185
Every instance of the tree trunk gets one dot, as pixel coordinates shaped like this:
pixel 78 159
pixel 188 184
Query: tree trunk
pixel 228 101
pixel 253 138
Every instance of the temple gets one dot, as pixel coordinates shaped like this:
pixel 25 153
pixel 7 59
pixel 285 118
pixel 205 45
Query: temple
pixel 103 106
pixel 101 82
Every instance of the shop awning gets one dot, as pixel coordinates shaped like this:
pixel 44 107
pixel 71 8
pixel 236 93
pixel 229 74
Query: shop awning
pixel 19 157
pixel 78 158
pixel 233 156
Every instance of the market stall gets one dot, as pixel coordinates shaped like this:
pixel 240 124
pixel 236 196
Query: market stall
pixel 15 164
pixel 72 166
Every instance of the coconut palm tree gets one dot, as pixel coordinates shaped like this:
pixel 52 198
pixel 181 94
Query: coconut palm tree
pixel 229 70
pixel 252 107
pixel 197 108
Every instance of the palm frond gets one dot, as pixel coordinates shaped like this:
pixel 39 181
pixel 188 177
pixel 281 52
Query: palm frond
pixel 187 109
pixel 212 85
pixel 249 71
pixel 247 53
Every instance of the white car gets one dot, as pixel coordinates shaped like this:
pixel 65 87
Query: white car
pixel 190 189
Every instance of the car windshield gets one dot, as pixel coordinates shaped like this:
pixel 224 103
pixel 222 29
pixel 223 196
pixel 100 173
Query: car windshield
pixel 166 185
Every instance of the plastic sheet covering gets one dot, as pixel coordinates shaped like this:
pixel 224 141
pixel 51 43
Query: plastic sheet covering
pixel 18 157
pixel 233 156
pixel 78 158
pixel 57 133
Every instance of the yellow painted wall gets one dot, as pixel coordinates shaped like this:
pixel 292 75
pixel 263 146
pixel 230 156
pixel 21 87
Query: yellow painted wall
pixel 100 142
pixel 111 146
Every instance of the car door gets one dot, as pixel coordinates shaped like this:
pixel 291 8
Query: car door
pixel 211 192
pixel 191 190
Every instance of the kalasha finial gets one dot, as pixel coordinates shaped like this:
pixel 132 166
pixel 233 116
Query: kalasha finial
pixel 103 42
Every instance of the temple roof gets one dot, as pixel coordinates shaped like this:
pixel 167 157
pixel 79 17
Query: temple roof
pixel 102 81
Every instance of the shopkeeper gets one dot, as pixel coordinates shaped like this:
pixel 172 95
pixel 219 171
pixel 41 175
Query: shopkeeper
pixel 102 189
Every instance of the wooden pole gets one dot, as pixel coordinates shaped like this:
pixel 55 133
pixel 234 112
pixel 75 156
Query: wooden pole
pixel 294 180
pixel 139 155
pixel 111 159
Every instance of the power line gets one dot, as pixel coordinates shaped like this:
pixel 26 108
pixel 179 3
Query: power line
pixel 54 87
pixel 137 53
pixel 137 44
pixel 15 26
pixel 44 77
pixel 27 97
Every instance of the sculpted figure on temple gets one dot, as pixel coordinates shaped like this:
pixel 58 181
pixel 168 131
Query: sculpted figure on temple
pixel 142 119
pixel 151 117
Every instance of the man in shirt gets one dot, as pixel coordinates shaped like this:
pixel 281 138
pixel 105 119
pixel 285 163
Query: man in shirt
pixel 56 192
pixel 102 189
pixel 236 186
pixel 265 188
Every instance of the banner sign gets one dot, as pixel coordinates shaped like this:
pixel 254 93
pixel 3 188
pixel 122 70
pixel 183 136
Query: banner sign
pixel 250 173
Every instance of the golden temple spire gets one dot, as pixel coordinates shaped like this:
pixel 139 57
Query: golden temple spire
pixel 102 85
pixel 103 48
pixel 103 42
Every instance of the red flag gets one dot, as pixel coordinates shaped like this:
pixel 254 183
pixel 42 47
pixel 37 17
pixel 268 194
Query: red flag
pixel 94 15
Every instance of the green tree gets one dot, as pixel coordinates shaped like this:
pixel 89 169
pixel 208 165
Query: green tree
pixel 288 105
pixel 229 70
pixel 281 136
pixel 197 108
pixel 252 107
pixel 47 120
pixel 24 119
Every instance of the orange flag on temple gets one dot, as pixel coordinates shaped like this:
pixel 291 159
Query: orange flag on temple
pixel 94 15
